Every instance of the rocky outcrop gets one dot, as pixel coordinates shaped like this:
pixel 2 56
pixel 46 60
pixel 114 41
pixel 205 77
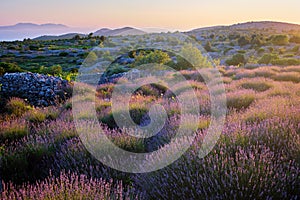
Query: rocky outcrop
pixel 37 89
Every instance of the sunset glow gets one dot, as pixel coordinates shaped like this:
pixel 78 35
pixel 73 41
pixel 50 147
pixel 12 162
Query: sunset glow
pixel 170 14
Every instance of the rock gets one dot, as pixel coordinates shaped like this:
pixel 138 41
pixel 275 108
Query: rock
pixel 38 89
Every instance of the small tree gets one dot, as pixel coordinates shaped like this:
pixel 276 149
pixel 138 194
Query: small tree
pixel 76 37
pixel 90 35
pixel 102 38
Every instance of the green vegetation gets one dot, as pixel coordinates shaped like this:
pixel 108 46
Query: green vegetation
pixel 280 39
pixel 9 68
pixel 267 58
pixel 17 107
pixel 237 59
pixel 155 56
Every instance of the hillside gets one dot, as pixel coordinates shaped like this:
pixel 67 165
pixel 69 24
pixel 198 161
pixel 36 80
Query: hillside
pixel 263 25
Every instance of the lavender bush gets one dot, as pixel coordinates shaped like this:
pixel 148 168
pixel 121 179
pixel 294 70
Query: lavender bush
pixel 257 156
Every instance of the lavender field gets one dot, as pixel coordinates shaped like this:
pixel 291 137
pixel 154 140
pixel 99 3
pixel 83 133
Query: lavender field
pixel 256 157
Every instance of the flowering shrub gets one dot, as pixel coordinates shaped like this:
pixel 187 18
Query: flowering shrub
pixel 240 100
pixel 259 86
pixel 256 157
pixel 70 186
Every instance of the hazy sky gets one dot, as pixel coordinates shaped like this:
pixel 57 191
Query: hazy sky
pixel 171 14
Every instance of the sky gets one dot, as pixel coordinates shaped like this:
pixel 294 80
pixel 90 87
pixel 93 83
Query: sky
pixel 170 14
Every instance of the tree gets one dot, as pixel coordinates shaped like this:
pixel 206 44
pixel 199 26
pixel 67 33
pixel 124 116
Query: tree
pixel 90 35
pixel 102 38
pixel 76 37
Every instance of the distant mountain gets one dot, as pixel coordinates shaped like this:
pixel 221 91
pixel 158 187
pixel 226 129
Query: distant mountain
pixel 30 30
pixel 33 26
pixel 104 31
pixel 119 32
pixel 59 37
pixel 274 26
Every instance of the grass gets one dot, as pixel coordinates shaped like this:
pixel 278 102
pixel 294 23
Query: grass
pixel 36 116
pixel 17 107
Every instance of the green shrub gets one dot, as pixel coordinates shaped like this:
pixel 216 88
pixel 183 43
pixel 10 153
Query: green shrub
pixel 285 61
pixel 237 59
pixel 280 39
pixel 17 107
pixel 295 49
pixel 9 68
pixel 289 55
pixel 116 69
pixel 155 56
pixel 242 41
pixel 54 70
pixel 267 58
